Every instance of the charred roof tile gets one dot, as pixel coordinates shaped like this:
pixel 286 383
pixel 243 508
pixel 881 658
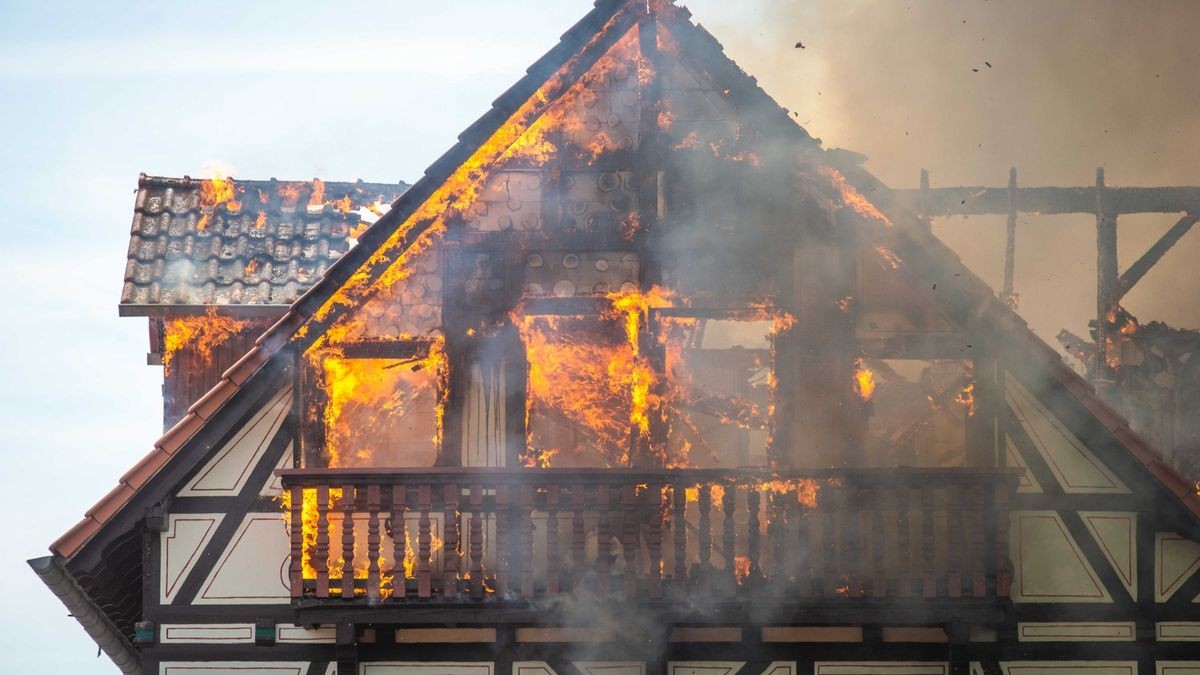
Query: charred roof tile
pixel 218 263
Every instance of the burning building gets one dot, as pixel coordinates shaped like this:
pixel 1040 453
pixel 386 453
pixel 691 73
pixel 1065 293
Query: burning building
pixel 637 376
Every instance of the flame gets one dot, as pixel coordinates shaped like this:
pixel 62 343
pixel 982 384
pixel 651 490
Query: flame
pixel 203 333
pixel 290 192
pixel 890 259
pixel 851 197
pixel 864 380
pixel 317 196
pixel 741 567
pixel 376 391
pixel 845 303
pixel 260 221
pixel 966 397
pixel 214 192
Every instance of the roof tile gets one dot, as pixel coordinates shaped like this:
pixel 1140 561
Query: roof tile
pixel 221 263
pixel 177 435
pixel 209 403
pixel 109 503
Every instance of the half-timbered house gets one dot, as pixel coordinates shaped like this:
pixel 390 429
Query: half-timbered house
pixel 638 377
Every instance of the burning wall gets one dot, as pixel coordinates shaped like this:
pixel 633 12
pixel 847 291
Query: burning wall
pixel 612 279
pixel 1157 371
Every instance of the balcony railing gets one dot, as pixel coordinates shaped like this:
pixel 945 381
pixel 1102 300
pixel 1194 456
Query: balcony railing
pixel 517 534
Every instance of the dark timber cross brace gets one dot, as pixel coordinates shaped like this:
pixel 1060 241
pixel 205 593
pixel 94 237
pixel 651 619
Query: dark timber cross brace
pixel 1104 202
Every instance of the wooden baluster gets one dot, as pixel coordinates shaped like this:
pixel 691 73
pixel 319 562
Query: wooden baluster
pixel 999 509
pixel 955 540
pixel 728 502
pixel 830 578
pixel 777 527
pixel 504 544
pixel 679 535
pixel 373 585
pixel 476 569
pixel 347 541
pixel 851 554
pixel 808 556
pixel 653 517
pixel 603 540
pixel 928 580
pixel 976 542
pixel 451 551
pixel 526 526
pixel 704 543
pixel 629 540
pixel 904 571
pixel 399 542
pixel 878 542
pixel 753 536
pixel 296 533
pixel 553 549
pixel 424 541
pixel 321 554
pixel 578 537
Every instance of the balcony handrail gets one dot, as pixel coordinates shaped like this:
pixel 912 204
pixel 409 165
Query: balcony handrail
pixel 447 475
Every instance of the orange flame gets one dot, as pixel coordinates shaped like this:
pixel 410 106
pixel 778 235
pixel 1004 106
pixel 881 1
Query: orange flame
pixel 202 333
pixel 214 192
pixel 864 380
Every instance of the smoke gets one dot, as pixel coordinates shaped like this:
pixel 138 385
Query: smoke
pixel 969 89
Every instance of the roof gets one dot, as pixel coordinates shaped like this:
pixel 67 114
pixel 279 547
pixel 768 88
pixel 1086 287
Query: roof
pixel 234 242
pixel 925 252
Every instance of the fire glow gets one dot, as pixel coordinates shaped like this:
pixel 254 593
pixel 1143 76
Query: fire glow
pixel 202 333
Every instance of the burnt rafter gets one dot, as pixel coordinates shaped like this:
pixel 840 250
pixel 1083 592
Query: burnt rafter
pixel 1138 269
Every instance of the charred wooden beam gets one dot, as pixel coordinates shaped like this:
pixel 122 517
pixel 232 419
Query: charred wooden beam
pixel 979 200
pixel 1138 269
pixel 1106 271
pixel 1010 239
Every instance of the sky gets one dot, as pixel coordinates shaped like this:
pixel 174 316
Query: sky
pixel 95 93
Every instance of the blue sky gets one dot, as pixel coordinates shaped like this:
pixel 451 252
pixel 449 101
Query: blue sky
pixel 94 93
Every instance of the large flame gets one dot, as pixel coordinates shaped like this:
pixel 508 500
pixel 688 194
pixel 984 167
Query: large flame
pixel 213 193
pixel 202 334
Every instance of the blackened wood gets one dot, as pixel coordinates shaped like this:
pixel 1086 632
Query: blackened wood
pixel 875 511
pixel 807 555
pixel 829 506
pixel 424 542
pixel 679 536
pixel 652 516
pixel 321 554
pixel 1010 239
pixel 1106 276
pixel 904 568
pixel 578 537
pixel 955 540
pixel 451 551
pixel 629 539
pixel 928 580
pixel 476 568
pixel 1138 269
pixel 526 525
pixel 603 540
pixel 373 572
pixel 728 504
pixel 553 549
pixel 296 532
pixel 753 534
pixel 1000 537
pixel 399 542
pixel 979 200
pixel 347 504
pixel 976 532
pixel 504 540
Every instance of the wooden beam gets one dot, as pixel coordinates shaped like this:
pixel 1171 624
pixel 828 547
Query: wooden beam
pixel 979 200
pixel 1138 269
pixel 1106 272
pixel 1010 239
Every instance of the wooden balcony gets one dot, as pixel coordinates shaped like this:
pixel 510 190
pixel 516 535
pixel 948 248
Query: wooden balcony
pixel 505 536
